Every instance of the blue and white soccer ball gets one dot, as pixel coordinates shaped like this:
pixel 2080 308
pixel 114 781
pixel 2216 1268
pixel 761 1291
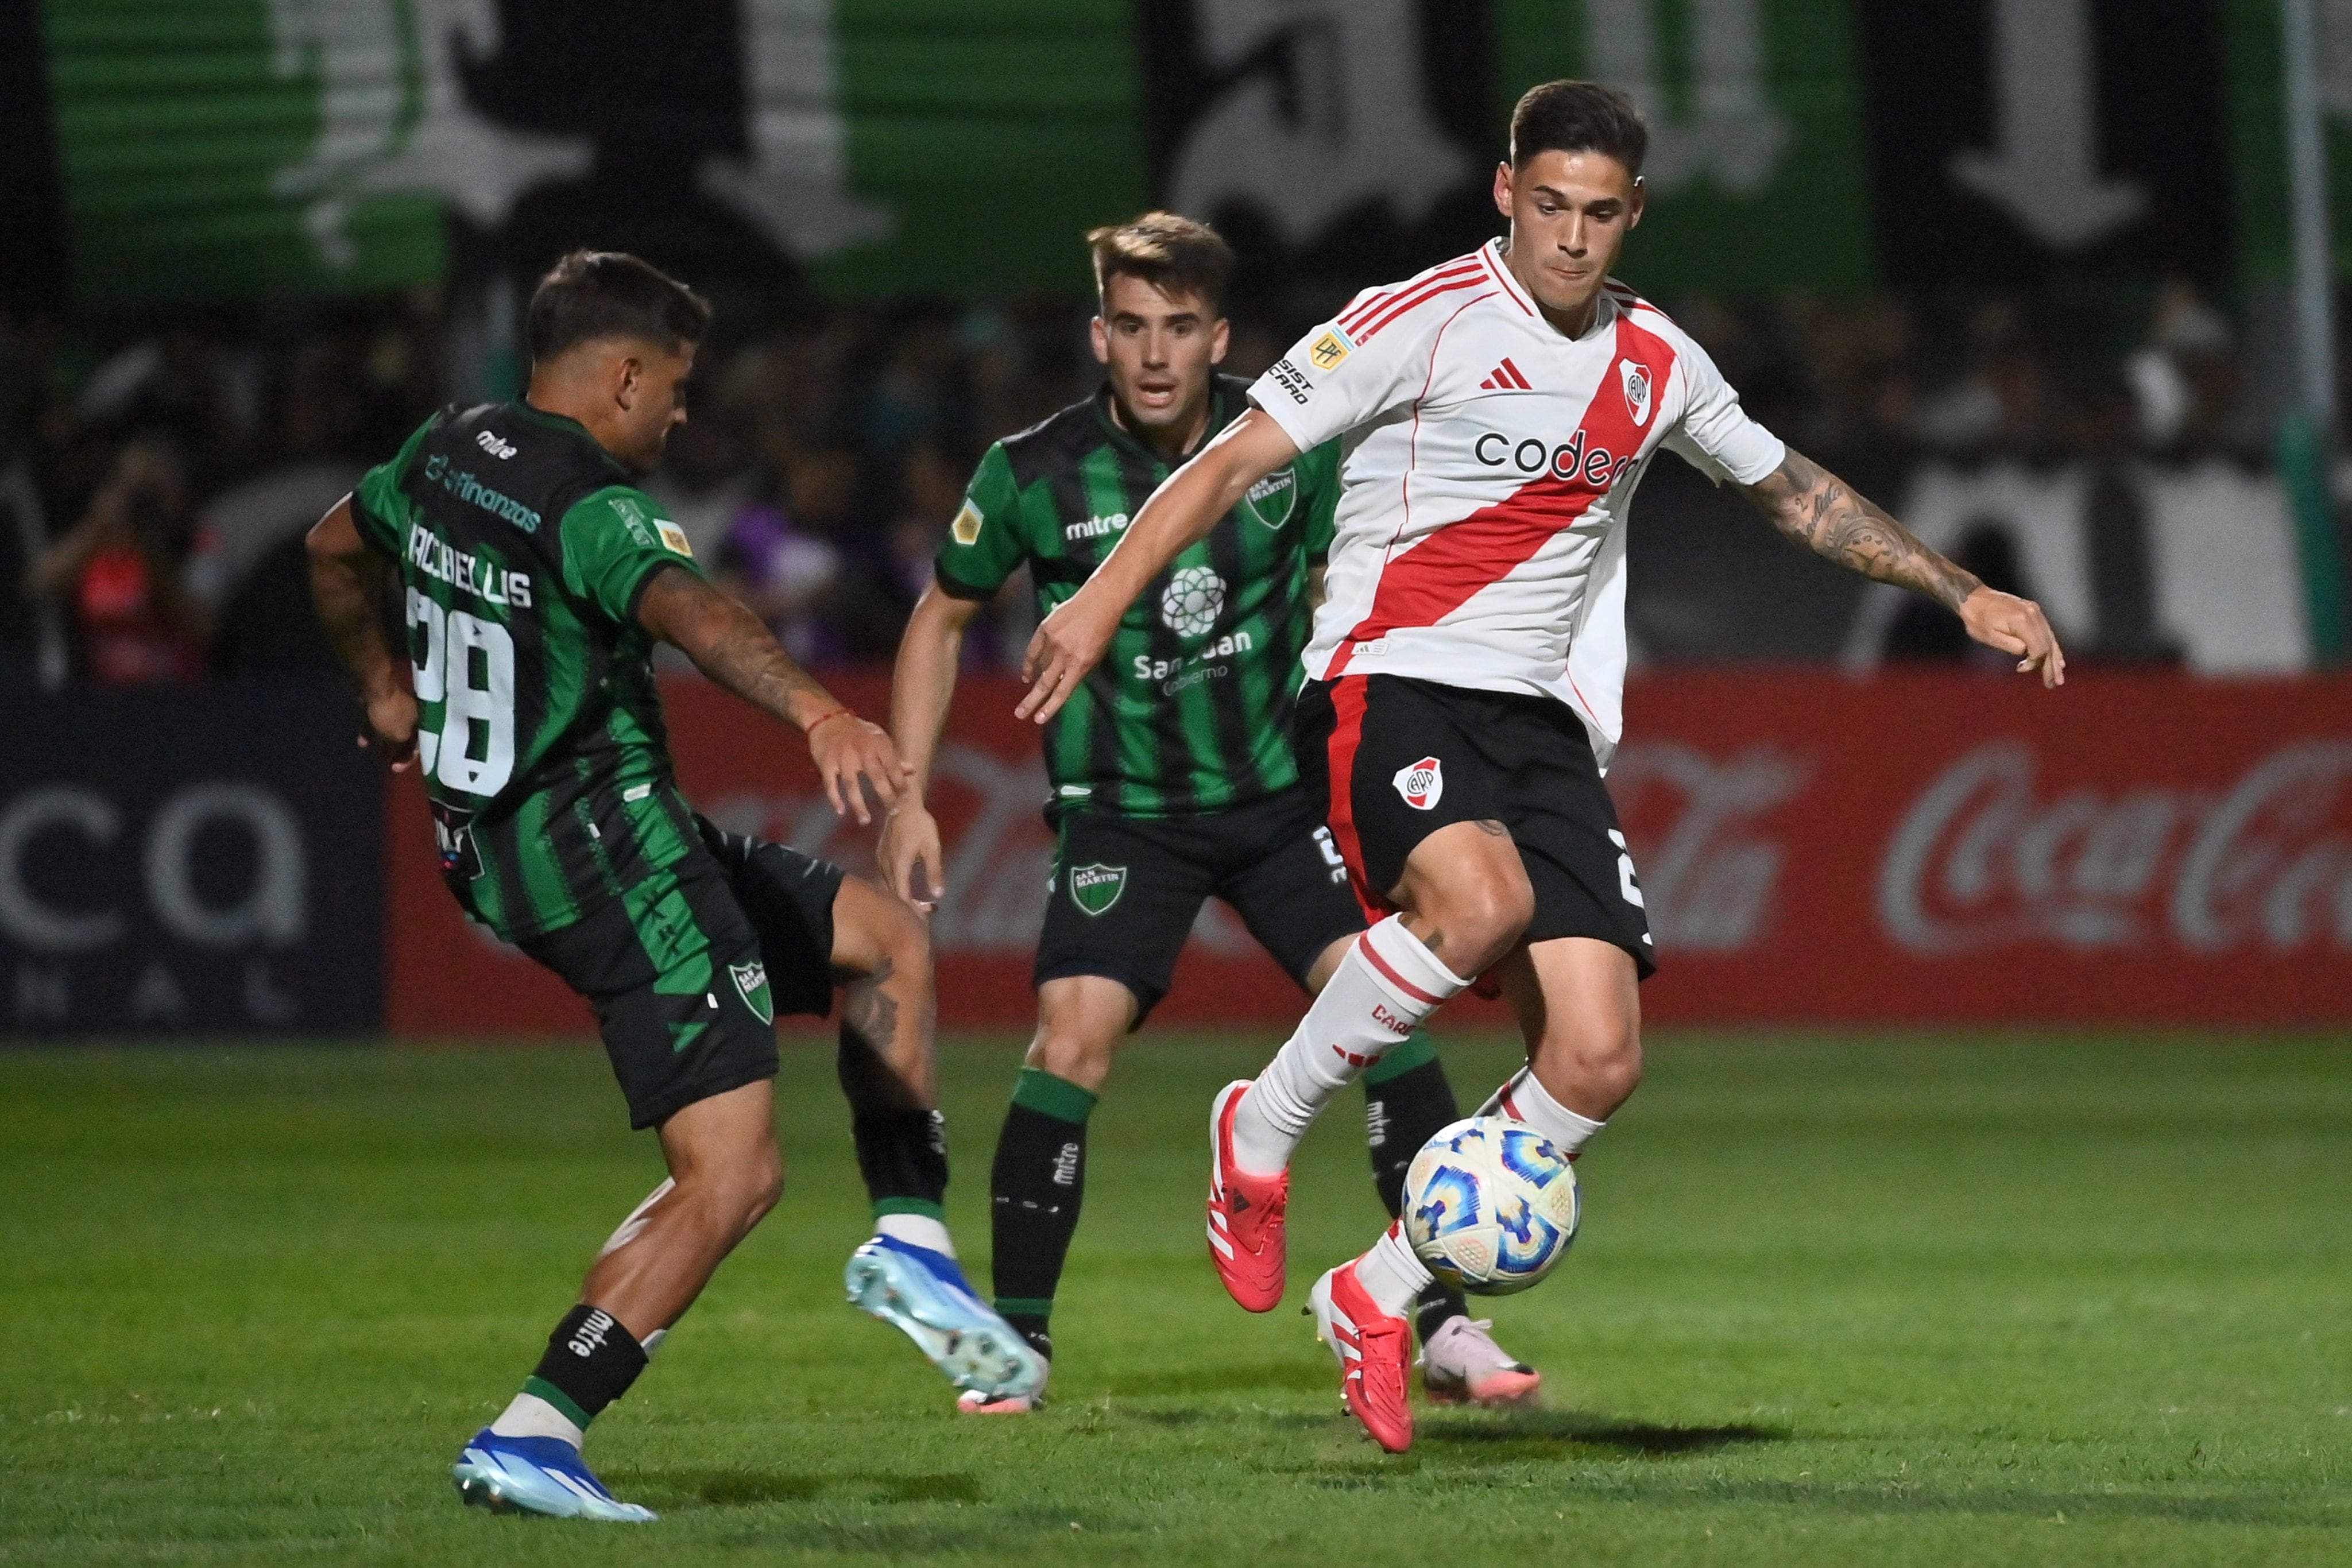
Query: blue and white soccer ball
pixel 1489 1205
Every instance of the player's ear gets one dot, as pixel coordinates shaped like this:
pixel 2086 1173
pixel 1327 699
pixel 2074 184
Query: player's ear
pixel 627 374
pixel 1640 199
pixel 1503 187
pixel 1221 338
pixel 1101 336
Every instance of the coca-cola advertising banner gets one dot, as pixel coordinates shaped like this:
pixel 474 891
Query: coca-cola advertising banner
pixel 1914 848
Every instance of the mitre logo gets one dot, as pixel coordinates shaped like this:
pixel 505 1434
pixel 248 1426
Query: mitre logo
pixel 1637 391
pixel 1423 785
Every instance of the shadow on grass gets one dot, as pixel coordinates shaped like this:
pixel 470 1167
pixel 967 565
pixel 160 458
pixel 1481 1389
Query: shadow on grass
pixel 736 1489
pixel 1289 1376
pixel 1526 1433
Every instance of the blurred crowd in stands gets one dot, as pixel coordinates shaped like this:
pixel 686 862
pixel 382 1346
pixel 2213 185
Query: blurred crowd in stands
pixel 154 484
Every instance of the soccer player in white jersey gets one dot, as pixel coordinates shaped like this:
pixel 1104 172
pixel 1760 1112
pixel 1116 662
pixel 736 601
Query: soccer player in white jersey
pixel 1465 676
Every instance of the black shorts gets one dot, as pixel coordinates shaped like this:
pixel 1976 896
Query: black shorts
pixel 1126 891
pixel 687 969
pixel 1397 759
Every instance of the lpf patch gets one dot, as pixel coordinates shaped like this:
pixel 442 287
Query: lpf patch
pixel 1325 353
pixel 1094 888
pixel 1423 785
pixel 1272 498
pixel 674 538
pixel 1637 391
pixel 751 985
pixel 966 526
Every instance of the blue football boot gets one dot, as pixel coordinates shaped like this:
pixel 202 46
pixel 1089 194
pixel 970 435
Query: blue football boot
pixel 923 1293
pixel 536 1475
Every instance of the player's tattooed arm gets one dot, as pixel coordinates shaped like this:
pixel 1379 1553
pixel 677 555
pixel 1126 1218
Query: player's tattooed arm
pixel 348 582
pixel 1820 511
pixel 730 644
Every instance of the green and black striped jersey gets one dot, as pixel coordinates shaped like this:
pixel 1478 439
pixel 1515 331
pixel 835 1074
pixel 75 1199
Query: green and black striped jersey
pixel 1190 710
pixel 523 551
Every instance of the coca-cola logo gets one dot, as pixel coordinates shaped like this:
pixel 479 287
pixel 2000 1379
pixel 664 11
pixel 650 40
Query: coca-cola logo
pixel 1707 871
pixel 1982 859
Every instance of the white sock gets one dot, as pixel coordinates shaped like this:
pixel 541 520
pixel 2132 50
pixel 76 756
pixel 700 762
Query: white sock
pixel 1525 1099
pixel 651 1341
pixel 1380 992
pixel 532 1416
pixel 1392 1275
pixel 916 1230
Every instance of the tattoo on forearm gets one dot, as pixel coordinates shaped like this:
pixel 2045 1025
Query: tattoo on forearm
pixel 1818 510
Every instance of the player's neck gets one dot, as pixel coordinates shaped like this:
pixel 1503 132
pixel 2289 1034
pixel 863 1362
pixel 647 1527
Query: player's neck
pixel 1570 323
pixel 1174 441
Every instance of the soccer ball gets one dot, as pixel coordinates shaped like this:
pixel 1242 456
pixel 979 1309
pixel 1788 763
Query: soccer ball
pixel 1489 1205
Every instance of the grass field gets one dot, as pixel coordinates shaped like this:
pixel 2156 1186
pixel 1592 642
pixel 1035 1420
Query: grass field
pixel 2050 1301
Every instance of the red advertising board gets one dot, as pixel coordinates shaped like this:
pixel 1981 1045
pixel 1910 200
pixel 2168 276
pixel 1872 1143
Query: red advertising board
pixel 1912 849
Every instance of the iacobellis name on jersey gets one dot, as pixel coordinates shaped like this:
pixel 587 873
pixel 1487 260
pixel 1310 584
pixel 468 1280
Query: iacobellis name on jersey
pixel 482 577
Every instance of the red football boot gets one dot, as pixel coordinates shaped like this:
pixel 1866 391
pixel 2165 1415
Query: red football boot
pixel 1375 1352
pixel 1246 1214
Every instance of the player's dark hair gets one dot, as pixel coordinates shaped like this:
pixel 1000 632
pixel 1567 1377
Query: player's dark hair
pixel 1174 255
pixel 593 294
pixel 1578 117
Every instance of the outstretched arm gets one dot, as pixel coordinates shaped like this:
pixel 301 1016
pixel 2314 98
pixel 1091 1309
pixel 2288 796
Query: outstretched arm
pixel 345 576
pixel 727 644
pixel 921 686
pixel 1819 510
pixel 1180 514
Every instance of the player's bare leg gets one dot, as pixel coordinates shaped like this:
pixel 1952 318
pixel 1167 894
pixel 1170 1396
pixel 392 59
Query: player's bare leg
pixel 1579 1002
pixel 724 1175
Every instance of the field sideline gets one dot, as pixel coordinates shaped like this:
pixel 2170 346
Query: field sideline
pixel 1923 1301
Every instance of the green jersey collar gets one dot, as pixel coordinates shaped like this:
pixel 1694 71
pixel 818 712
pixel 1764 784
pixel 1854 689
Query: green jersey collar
pixel 1121 436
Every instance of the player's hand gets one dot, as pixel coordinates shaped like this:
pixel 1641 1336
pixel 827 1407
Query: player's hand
pixel 1069 642
pixel 392 727
pixel 910 855
pixel 849 751
pixel 2015 625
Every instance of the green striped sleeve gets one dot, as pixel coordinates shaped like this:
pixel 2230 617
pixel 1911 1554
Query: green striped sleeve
pixel 983 545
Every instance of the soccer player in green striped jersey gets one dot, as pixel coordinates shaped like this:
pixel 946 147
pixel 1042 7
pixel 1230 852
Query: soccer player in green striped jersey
pixel 1170 770
pixel 534 578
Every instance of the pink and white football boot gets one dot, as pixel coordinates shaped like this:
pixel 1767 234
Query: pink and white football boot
pixel 1246 1235
pixel 1375 1352
pixel 1461 1364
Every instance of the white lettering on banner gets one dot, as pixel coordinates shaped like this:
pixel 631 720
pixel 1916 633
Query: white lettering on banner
pixel 2045 165
pixel 274 911
pixel 1710 879
pixel 1348 122
pixel 1731 134
pixel 1978 862
pixel 24 916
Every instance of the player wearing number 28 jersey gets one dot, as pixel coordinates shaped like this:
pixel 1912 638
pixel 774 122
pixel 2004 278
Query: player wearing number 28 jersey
pixel 535 579
pixel 1463 681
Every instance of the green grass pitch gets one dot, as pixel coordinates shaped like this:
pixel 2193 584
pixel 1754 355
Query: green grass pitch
pixel 1919 1300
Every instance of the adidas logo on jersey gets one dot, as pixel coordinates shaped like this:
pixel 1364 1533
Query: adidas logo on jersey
pixel 1505 377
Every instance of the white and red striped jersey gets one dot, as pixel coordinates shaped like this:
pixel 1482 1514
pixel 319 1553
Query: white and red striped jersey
pixel 1487 464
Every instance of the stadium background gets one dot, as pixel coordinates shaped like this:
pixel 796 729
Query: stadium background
pixel 2019 269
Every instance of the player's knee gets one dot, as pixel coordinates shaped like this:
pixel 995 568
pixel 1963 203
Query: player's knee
pixel 1074 1055
pixel 1607 1061
pixel 1489 914
pixel 755 1189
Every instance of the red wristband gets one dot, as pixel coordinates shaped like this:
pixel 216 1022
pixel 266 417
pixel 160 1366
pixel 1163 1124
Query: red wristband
pixel 810 728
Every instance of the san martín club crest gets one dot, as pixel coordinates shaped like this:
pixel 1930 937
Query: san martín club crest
pixel 1094 888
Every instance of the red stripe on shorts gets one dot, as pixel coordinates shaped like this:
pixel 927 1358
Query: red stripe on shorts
pixel 1346 735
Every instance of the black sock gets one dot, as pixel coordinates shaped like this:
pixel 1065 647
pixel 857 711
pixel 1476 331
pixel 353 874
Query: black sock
pixel 1034 1189
pixel 1406 1099
pixel 591 1361
pixel 902 1152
